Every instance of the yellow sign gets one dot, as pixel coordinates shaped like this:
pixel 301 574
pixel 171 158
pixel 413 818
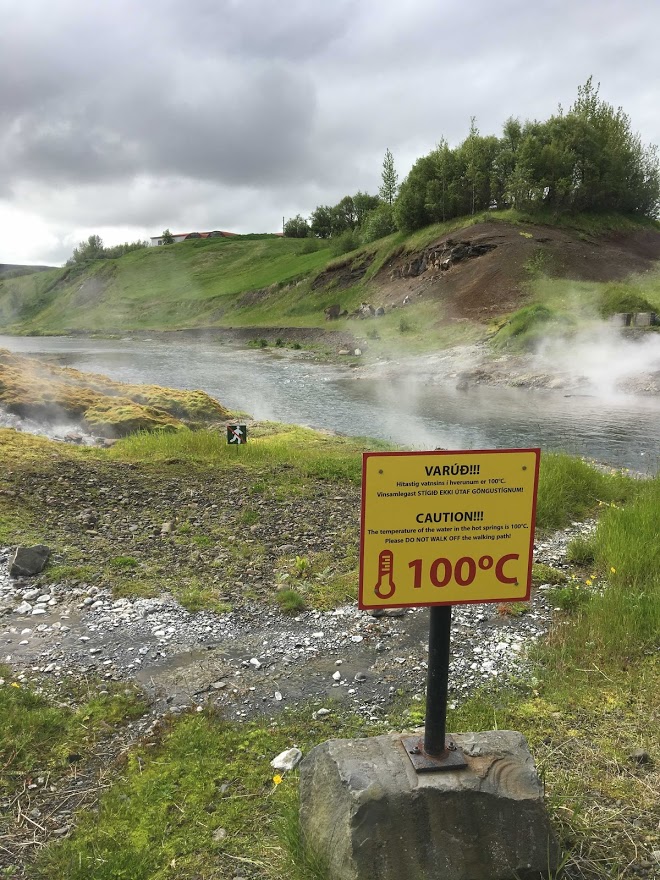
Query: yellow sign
pixel 446 528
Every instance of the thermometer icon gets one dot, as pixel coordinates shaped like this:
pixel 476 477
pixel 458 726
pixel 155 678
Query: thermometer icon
pixel 385 566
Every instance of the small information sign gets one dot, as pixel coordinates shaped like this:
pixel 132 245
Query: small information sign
pixel 447 528
pixel 237 434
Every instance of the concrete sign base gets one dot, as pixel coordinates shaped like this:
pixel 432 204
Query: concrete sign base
pixel 370 816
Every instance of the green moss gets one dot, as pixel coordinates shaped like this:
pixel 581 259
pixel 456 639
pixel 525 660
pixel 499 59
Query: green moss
pixel 46 392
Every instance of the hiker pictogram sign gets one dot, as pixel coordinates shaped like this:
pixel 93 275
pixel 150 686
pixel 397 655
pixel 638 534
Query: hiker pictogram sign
pixel 237 434
pixel 447 528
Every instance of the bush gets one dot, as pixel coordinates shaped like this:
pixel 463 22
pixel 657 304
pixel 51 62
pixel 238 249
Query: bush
pixel 309 246
pixel 546 574
pixel 620 298
pixel 379 223
pixel 524 328
pixel 290 601
pixel 344 243
pixel 569 598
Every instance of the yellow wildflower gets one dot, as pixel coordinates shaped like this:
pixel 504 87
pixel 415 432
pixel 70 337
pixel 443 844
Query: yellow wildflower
pixel 612 569
pixel 15 684
pixel 588 582
pixel 277 779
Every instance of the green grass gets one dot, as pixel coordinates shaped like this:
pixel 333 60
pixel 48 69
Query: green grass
pixel 290 601
pixel 570 489
pixel 546 574
pixel 163 815
pixel 591 699
pixel 242 282
pixel 308 452
pixel 525 329
pixel 584 301
pixel 39 736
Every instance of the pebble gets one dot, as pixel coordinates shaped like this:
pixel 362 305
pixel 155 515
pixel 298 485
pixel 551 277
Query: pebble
pixel 287 760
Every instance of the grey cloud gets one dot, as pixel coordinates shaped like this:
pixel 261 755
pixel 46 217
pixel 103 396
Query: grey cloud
pixel 156 114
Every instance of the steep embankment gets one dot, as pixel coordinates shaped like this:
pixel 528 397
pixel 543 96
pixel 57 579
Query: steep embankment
pixel 453 279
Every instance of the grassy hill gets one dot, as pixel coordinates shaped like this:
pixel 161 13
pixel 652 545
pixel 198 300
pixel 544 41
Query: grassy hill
pixel 511 261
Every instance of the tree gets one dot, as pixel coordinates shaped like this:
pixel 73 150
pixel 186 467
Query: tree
pixel 89 250
pixel 321 221
pixel 167 237
pixel 296 227
pixel 389 188
pixel 364 204
pixel 379 223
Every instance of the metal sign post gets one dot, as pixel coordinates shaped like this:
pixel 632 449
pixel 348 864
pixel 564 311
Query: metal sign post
pixel 436 751
pixel 440 529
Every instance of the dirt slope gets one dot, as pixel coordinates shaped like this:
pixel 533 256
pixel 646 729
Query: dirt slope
pixel 485 285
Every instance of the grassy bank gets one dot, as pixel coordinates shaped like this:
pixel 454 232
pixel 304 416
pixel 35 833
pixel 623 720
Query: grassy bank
pixel 198 798
pixel 275 282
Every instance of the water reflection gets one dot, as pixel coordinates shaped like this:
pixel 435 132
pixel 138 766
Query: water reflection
pixel 291 389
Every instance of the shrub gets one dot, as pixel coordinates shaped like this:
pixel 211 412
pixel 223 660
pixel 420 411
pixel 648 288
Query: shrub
pixel 570 597
pixel 525 327
pixel 379 223
pixel 290 601
pixel 620 298
pixel 546 574
pixel 344 243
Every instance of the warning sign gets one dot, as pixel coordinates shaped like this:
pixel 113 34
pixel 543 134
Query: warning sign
pixel 446 528
pixel 237 434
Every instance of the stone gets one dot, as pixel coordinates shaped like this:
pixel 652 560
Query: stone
pixel 24 608
pixel 639 756
pixel 365 810
pixel 287 760
pixel 28 561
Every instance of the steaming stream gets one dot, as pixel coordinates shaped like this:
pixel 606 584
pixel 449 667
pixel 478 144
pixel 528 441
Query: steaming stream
pixel 622 431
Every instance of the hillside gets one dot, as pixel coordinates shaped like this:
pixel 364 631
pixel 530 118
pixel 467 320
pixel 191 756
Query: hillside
pixel 454 280
pixel 10 270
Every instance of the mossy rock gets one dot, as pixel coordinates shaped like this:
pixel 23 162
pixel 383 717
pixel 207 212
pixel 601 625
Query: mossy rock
pixel 44 392
pixel 122 417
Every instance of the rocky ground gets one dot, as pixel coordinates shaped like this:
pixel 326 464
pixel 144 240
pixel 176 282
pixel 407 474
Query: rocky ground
pixel 584 367
pixel 255 660
pixel 250 660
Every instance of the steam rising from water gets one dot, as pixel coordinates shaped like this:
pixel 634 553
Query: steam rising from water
pixel 59 431
pixel 605 358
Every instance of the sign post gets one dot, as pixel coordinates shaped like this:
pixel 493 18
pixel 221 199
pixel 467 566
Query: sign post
pixel 236 434
pixel 441 529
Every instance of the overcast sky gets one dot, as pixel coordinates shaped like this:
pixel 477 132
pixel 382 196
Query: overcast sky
pixel 123 117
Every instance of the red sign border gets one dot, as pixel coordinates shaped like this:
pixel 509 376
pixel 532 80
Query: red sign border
pixel 366 455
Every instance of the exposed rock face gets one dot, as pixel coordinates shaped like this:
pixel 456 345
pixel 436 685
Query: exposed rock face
pixel 441 257
pixel 333 312
pixel 28 561
pixel 369 814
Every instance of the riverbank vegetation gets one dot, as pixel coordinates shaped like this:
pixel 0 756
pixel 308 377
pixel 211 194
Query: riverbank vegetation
pixel 197 796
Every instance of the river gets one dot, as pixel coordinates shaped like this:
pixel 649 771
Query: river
pixel 288 387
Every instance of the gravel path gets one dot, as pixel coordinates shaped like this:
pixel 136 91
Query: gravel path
pixel 256 660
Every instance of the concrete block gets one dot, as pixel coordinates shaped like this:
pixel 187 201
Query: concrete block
pixel 644 319
pixel 621 319
pixel 370 816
